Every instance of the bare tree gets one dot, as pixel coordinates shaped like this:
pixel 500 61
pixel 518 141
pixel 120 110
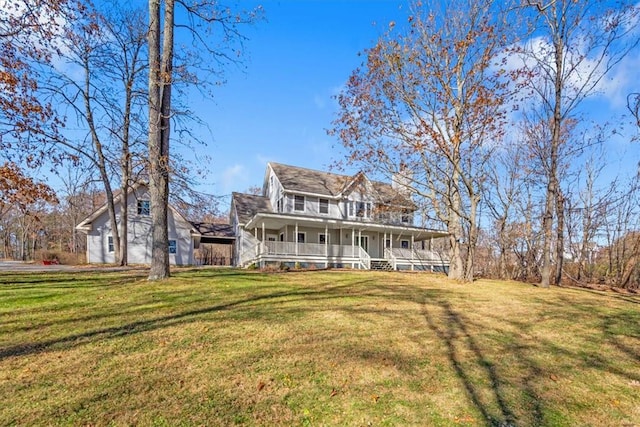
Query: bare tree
pixel 203 17
pixel 104 59
pixel 429 105
pixel 160 80
pixel 508 176
pixel 577 44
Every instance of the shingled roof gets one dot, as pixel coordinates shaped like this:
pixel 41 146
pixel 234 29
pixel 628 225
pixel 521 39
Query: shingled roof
pixel 247 205
pixel 208 229
pixel 294 178
pixel 297 179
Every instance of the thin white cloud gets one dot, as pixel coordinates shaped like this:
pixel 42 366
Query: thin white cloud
pixel 234 178
pixel 263 160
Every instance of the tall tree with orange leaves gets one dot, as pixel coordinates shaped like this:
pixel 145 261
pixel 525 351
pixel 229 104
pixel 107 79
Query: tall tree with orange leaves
pixel 429 104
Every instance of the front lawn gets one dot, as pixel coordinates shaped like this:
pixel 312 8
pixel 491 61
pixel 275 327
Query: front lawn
pixel 224 347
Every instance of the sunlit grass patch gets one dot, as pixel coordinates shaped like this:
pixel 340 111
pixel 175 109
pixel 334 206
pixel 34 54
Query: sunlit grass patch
pixel 224 347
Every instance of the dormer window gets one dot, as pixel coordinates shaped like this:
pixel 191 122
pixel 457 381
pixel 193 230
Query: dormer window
pixel 405 215
pixel 360 209
pixel 144 207
pixel 299 203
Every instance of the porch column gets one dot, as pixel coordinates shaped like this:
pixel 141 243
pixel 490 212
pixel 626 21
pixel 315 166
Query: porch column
pixel 296 237
pixel 359 239
pixel 326 246
pixel 384 245
pixel 412 242
pixel 431 243
pixel 353 242
pixel 391 241
pixel 255 233
pixel 263 234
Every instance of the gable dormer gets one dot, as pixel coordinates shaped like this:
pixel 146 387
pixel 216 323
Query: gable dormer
pixel 359 198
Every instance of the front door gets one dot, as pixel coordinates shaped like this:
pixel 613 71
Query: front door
pixel 364 243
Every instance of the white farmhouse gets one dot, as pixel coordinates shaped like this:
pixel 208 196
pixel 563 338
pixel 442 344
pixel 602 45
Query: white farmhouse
pixel 312 218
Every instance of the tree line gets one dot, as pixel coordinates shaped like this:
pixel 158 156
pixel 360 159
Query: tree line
pixel 484 108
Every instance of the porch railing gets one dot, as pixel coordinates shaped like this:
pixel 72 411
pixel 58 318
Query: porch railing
pixel 388 254
pixel 250 252
pixel 365 259
pixel 355 253
pixel 308 249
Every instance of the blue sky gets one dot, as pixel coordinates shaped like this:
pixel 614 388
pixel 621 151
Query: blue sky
pixel 279 108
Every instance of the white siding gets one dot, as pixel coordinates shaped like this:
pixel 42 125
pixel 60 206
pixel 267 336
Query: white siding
pixel 139 236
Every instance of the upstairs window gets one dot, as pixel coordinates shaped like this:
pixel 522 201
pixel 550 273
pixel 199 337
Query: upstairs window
pixel 299 203
pixel 405 215
pixel 144 207
pixel 323 207
pixel 173 247
pixel 404 244
pixel 280 205
pixel 363 210
pixel 110 243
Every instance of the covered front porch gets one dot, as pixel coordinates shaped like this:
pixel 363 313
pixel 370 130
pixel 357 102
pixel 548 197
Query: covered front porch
pixel 295 240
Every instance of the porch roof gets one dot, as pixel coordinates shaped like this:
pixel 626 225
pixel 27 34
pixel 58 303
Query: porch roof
pixel 279 220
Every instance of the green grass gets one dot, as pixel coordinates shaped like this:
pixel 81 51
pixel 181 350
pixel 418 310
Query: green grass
pixel 225 347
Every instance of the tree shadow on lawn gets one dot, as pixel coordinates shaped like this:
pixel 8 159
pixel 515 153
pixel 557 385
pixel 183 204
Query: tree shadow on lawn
pixel 137 327
pixel 476 370
pixel 78 280
pixel 487 386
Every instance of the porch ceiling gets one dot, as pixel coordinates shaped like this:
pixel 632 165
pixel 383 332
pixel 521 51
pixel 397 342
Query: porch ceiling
pixel 278 221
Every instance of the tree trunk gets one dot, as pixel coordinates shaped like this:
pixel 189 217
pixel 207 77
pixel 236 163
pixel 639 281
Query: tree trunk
pixel 124 223
pixel 552 188
pixel 502 241
pixel 160 74
pixel 559 236
pixel 473 240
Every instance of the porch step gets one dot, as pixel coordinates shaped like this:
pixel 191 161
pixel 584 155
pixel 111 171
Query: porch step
pixel 381 265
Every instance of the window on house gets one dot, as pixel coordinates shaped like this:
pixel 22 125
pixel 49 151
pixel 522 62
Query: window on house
pixel 404 244
pixel 144 207
pixel 363 209
pixel 299 203
pixel 323 207
pixel 351 213
pixel 280 205
pixel 387 243
pixel 301 237
pixel 110 243
pixel 323 238
pixel 282 237
pixel 405 215
pixel 173 247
